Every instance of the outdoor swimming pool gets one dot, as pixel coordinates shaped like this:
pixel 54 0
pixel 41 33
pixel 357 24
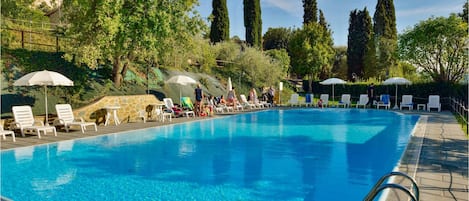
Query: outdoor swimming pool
pixel 299 154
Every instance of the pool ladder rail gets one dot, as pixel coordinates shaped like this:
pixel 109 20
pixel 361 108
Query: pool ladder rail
pixel 379 186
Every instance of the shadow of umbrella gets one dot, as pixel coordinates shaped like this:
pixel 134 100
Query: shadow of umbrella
pixel 44 78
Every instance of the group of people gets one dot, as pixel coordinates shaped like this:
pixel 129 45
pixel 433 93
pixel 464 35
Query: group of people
pixel 202 109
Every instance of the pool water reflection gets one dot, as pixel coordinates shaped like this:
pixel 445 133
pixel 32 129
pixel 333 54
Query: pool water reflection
pixel 301 154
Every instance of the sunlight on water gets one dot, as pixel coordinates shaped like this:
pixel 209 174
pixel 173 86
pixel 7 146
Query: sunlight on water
pixel 300 154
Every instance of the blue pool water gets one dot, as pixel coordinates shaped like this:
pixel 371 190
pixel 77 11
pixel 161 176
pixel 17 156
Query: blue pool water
pixel 301 154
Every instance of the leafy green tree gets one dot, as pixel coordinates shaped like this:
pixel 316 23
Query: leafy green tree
pixel 310 50
pixel 326 69
pixel 277 38
pixel 322 20
pixel 310 14
pixel 438 46
pixel 360 44
pixel 220 29
pixel 280 57
pixel 385 33
pixel 464 15
pixel 202 54
pixel 21 9
pixel 339 66
pixel 121 32
pixel 260 69
pixel 253 22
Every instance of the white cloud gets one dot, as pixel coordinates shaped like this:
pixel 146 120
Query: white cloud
pixel 294 8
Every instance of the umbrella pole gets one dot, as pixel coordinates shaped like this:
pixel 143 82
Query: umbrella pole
pixel 332 93
pixel 45 98
pixel 395 101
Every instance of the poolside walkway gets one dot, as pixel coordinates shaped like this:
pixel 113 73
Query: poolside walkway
pixel 441 173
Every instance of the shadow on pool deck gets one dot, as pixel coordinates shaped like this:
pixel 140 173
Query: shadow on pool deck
pixel 441 173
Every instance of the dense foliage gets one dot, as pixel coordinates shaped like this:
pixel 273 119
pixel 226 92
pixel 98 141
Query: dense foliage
pixel 276 38
pixel 21 10
pixel 438 46
pixel 385 36
pixel 220 28
pixel 310 14
pixel 124 32
pixel 359 40
pixel 311 50
pixel 253 22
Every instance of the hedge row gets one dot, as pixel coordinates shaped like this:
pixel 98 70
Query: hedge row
pixel 420 91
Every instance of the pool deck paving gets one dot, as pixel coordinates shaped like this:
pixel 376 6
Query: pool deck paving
pixel 436 157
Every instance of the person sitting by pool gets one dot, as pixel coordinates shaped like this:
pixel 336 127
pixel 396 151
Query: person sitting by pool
pixel 232 97
pixel 221 100
pixel 320 103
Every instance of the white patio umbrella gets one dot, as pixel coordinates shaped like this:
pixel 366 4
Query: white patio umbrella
pixel 229 86
pixel 396 81
pixel 332 81
pixel 44 78
pixel 182 80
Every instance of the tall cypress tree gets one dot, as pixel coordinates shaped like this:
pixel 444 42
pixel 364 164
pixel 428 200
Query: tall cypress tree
pixel 322 20
pixel 253 22
pixel 220 29
pixel 385 36
pixel 369 57
pixel 310 11
pixel 359 41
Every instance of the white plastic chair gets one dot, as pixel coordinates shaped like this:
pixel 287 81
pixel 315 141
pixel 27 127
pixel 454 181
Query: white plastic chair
pixel 142 114
pixel 362 101
pixel 434 102
pixel 168 102
pixel 25 122
pixel 344 100
pixel 384 101
pixel 294 100
pixel 4 133
pixel 407 102
pixel 67 119
pixel 325 99
pixel 246 103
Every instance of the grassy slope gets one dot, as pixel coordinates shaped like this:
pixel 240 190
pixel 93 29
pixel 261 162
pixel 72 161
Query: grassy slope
pixel 89 84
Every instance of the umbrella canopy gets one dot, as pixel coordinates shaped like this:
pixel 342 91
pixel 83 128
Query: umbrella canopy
pixel 332 81
pixel 396 81
pixel 182 80
pixel 229 86
pixel 44 78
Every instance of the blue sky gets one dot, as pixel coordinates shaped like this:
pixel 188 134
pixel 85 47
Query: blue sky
pixel 289 13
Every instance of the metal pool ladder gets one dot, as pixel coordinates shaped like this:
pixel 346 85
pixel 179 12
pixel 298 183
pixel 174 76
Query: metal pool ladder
pixel 379 186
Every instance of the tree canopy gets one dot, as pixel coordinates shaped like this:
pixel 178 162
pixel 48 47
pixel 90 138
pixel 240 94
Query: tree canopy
pixel 359 44
pixel 311 50
pixel 121 32
pixel 437 46
pixel 310 8
pixel 385 36
pixel 220 28
pixel 253 22
pixel 276 38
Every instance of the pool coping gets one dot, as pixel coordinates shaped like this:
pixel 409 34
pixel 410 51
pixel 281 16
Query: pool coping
pixel 441 169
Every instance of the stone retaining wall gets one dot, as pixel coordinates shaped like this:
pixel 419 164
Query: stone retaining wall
pixel 128 112
pixel 95 112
